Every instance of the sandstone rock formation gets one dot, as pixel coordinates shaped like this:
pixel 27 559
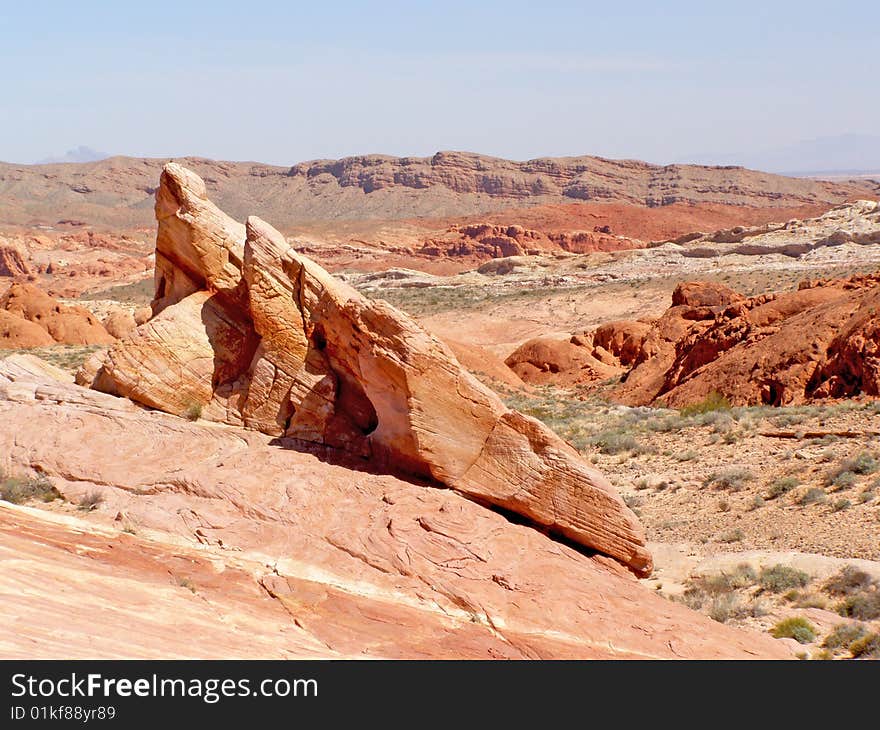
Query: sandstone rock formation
pixel 248 332
pixel 820 341
pixel 250 550
pixel 116 191
pixel 855 223
pixel 13 260
pixel 486 240
pixel 31 318
pixel 119 322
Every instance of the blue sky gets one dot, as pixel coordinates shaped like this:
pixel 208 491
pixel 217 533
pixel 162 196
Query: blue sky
pixel 285 81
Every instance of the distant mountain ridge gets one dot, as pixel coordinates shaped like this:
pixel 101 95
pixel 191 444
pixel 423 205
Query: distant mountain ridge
pixel 118 191
pixel 77 154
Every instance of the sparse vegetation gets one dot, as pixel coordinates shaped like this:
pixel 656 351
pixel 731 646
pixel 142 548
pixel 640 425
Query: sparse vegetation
pixel 712 402
pixel 617 442
pixel 193 411
pixel 782 486
pixel 779 578
pixel 184 582
pixel 849 580
pixel 864 606
pixel 814 495
pixel 795 627
pixel 843 635
pixel 733 479
pixel 66 357
pixel 140 292
pixel 90 500
pixel 735 535
pixel 866 647
pixel 22 489
pixel 843 480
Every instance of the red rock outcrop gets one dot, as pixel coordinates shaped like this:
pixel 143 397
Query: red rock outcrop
pixel 248 332
pixel 780 349
pixel 26 309
pixel 13 260
pixel 478 241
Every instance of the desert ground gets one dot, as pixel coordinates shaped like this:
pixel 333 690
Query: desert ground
pixel 452 407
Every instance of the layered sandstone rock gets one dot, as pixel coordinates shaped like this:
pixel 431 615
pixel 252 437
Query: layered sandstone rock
pixel 779 349
pixel 31 318
pixel 256 551
pixel 248 332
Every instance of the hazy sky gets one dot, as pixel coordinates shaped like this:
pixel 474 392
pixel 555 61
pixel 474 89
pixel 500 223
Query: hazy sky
pixel 285 81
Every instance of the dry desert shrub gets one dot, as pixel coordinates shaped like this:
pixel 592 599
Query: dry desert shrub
pixel 18 489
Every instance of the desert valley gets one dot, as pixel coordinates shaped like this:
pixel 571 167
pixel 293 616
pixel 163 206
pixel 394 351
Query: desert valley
pixel 444 407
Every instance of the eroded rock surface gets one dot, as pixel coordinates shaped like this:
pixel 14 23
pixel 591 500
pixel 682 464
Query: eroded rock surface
pixel 821 341
pixel 248 332
pixel 251 550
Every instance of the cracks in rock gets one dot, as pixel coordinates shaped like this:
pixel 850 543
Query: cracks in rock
pixel 287 609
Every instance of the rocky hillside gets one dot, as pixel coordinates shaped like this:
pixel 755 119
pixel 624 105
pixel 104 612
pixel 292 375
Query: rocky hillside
pixel 818 342
pixel 119 191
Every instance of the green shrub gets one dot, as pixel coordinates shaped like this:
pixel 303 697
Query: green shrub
pixel 841 504
pixel 867 646
pixel 844 480
pixel 19 490
pixel 782 486
pixel 843 635
pixel 616 442
pixel 714 401
pixel 796 628
pixel 779 578
pixel 193 412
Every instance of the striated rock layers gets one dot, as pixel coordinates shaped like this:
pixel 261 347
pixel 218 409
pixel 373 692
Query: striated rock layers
pixel 248 550
pixel 248 332
pixel 821 341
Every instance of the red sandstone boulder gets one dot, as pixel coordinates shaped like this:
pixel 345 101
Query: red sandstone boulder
pixel 62 324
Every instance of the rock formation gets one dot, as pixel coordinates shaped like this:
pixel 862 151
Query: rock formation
pixel 31 318
pixel 115 191
pixel 486 240
pixel 250 550
pixel 13 260
pixel 248 332
pixel 821 341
